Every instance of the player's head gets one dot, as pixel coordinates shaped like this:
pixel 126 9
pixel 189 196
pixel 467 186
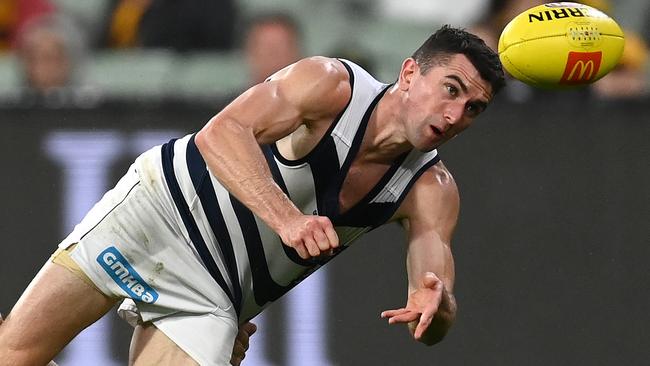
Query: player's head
pixel 448 41
pixel 445 85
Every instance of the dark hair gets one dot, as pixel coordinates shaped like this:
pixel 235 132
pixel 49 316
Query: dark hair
pixel 448 41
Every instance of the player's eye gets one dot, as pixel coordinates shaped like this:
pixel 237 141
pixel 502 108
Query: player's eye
pixel 472 109
pixel 452 90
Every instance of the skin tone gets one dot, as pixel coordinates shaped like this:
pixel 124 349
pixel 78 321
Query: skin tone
pixel 47 64
pixel 270 47
pixel 298 105
pixel 56 288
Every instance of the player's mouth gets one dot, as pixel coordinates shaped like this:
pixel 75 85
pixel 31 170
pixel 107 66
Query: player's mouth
pixel 436 131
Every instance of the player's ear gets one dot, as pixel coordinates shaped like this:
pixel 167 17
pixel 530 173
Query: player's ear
pixel 409 68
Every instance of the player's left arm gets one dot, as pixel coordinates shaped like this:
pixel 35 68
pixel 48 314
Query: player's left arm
pixel 429 214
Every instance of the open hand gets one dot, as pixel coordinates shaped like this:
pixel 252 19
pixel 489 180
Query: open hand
pixel 421 306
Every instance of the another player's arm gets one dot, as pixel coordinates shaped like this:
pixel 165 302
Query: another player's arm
pixel 310 92
pixel 429 214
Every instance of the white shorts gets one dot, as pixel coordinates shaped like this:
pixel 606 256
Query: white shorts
pixel 131 246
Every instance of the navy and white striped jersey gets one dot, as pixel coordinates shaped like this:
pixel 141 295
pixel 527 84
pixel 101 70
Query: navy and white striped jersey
pixel 243 255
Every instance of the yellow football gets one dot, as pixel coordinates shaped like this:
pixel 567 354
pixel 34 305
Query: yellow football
pixel 560 44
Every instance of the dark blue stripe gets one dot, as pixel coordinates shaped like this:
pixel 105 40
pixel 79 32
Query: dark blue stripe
pixel 332 194
pixel 325 170
pixel 265 289
pixel 365 213
pixel 389 213
pixel 311 156
pixel 186 216
pixel 386 210
pixel 277 177
pixel 205 190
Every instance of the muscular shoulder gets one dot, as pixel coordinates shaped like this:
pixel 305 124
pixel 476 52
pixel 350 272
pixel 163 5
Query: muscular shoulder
pixel 319 85
pixel 434 196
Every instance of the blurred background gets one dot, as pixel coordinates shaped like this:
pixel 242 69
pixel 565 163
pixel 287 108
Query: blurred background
pixel 554 234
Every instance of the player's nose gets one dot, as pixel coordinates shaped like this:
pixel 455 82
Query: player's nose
pixel 453 113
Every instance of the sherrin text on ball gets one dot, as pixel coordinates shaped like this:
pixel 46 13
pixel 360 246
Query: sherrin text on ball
pixel 561 44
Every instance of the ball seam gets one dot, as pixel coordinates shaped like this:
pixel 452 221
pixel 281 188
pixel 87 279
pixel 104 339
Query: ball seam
pixel 551 36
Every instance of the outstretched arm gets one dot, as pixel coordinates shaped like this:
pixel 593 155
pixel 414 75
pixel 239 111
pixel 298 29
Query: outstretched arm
pixel 308 93
pixel 429 214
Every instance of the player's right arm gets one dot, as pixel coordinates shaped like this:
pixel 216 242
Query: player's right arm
pixel 310 92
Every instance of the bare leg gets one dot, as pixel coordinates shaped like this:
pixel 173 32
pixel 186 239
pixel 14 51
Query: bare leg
pixel 54 308
pixel 150 346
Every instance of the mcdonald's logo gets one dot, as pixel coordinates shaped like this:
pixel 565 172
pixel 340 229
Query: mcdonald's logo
pixel 581 67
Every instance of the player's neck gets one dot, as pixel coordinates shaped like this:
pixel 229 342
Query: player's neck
pixel 385 138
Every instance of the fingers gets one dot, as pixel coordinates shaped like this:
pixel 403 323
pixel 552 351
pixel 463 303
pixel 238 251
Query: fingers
pixel 423 325
pixel 236 360
pixel 242 342
pixel 311 236
pixel 249 328
pixel 404 318
pixel 321 240
pixel 400 316
pixel 238 353
pixel 425 321
pixel 391 313
pixel 312 247
pixel 302 251
pixel 331 235
pixel 245 331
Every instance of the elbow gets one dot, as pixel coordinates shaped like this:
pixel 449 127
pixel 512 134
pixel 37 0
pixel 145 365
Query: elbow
pixel 203 138
pixel 217 131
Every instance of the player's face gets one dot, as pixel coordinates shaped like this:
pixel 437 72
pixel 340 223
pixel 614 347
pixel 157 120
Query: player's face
pixel 443 102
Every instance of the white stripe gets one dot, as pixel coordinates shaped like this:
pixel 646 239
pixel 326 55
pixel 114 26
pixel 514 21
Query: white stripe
pixel 403 176
pixel 365 89
pixel 300 185
pixel 236 237
pixel 282 269
pixel 196 208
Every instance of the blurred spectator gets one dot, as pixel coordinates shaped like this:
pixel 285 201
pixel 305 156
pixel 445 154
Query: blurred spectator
pixel 14 14
pixel 273 41
pixel 186 25
pixel 51 53
pixel 498 14
pixel 628 79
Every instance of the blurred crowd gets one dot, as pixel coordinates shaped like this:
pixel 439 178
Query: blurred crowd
pixel 51 42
